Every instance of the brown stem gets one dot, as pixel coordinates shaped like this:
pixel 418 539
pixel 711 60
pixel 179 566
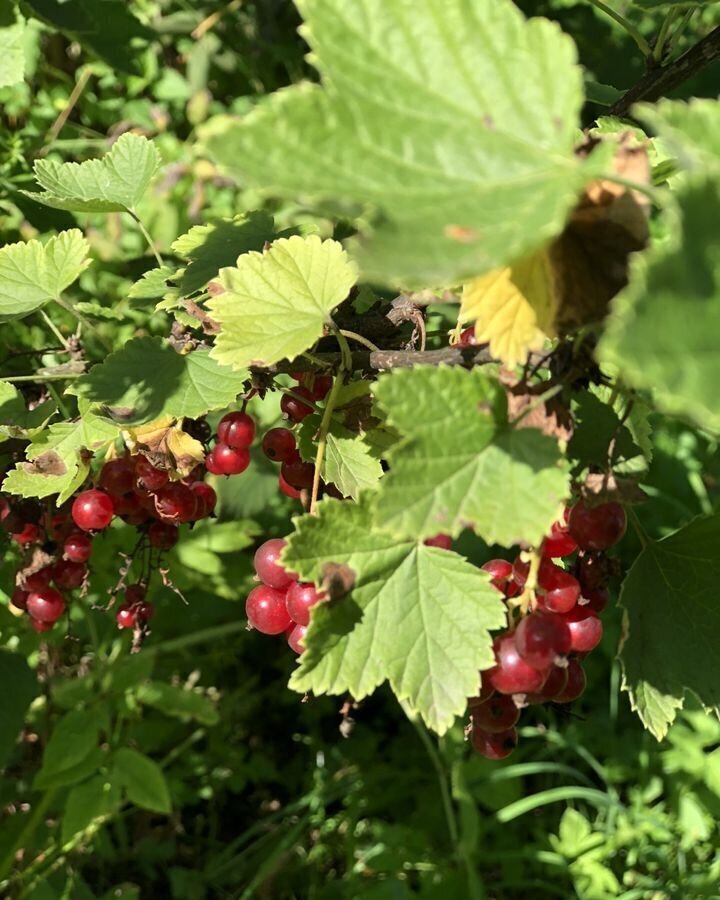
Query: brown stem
pixel 659 82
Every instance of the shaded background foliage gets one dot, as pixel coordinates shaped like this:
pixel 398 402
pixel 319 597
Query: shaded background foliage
pixel 270 796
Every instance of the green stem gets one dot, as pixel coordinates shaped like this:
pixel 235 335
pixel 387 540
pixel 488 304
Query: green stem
pixel 146 235
pixel 623 22
pixel 652 192
pixel 43 378
pixel 639 530
pixel 662 35
pixel 322 436
pixel 26 834
pixel 68 307
pixel 59 400
pixel 53 327
pixel 358 338
pixel 291 393
pixel 345 351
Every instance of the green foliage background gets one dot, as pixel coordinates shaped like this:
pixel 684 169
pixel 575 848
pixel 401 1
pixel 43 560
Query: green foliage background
pixel 228 785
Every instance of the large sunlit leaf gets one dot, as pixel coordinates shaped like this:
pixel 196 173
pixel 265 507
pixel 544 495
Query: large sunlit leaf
pixel 421 119
pixel 12 50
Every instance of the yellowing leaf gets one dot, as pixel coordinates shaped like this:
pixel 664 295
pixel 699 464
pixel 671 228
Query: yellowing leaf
pixel 514 308
pixel 166 444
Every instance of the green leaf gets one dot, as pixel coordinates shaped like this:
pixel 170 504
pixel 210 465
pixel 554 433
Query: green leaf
pixel 147 379
pixel 88 804
pixel 420 117
pixel 672 625
pixel 15 418
pixel 275 304
pixel 87 766
pixel 114 183
pixel 662 332
pixel 12 49
pixel 153 285
pixel 691 130
pixel 349 463
pixel 460 464
pixel 33 274
pixel 417 616
pixel 178 702
pixel 56 461
pixel 209 248
pixel 73 738
pixel 142 779
pixel 14 703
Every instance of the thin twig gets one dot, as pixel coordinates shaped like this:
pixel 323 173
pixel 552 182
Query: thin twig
pixel 53 327
pixel 359 339
pixel 323 434
pixel 211 21
pixel 146 235
pixel 623 22
pixel 72 100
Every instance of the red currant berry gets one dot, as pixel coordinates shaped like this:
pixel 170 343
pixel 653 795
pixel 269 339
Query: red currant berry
pixel 205 499
pixel 163 535
pixel 266 610
pixel 19 598
pixel 126 616
pixel 144 611
pixel 442 541
pixel 175 503
pixel 148 476
pixel 41 627
pixel 227 461
pixel 486 692
pixel 236 430
pixel 117 477
pixel 555 684
pixel 594 599
pixel 558 543
pixel 77 547
pixel 467 337
pixel 575 686
pixel 295 638
pixel 38 580
pixel 298 474
pixel 597 527
pixel 30 534
pixel 300 598
pixel 288 489
pixel 496 715
pixel 135 593
pixel 500 571
pixel 494 746
pixel 511 674
pixel 46 605
pixel 58 527
pixel 585 629
pixel 295 409
pixel 321 386
pixel 5 508
pixel 541 639
pixel 279 444
pixel 267 565
pixel 69 575
pixel 93 510
pixel 558 590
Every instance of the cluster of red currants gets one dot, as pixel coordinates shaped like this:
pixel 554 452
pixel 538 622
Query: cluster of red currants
pixel 539 658
pixel 280 604
pixel 280 446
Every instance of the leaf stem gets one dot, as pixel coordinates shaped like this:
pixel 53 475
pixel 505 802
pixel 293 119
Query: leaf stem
pixel 652 192
pixel 41 378
pixel 53 327
pixel 662 35
pixel 345 352
pixel 146 235
pixel 623 22
pixel 323 434
pixel 59 400
pixel 358 338
pixel 68 307
pixel 637 526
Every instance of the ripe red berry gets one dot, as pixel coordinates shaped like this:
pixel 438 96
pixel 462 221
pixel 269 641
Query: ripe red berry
pixel 559 542
pixel 134 509
pixel 295 409
pixel 321 386
pixel 227 461
pixel 485 693
pixel 266 610
pixel 555 684
pixel 126 616
pixel 442 541
pixel 297 473
pixel 19 598
pixel 279 444
pixel 69 575
pixel 541 639
pixel 500 571
pixel 597 527
pixel 30 534
pixel 295 638
pixel 117 477
pixel 41 627
pixel 93 510
pixel 494 746
pixel 300 598
pixel 511 674
pixel 267 565
pixel 595 599
pixel 236 430
pixel 135 593
pixel 495 715
pixel 46 605
pixel 558 591
pixel 205 499
pixel 467 337
pixel 575 684
pixel 288 489
pixel 149 476
pixel 5 508
pixel 163 535
pixel 175 503
pixel 38 580
pixel 585 629
pixel 77 547
pixel 58 527
pixel 144 611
